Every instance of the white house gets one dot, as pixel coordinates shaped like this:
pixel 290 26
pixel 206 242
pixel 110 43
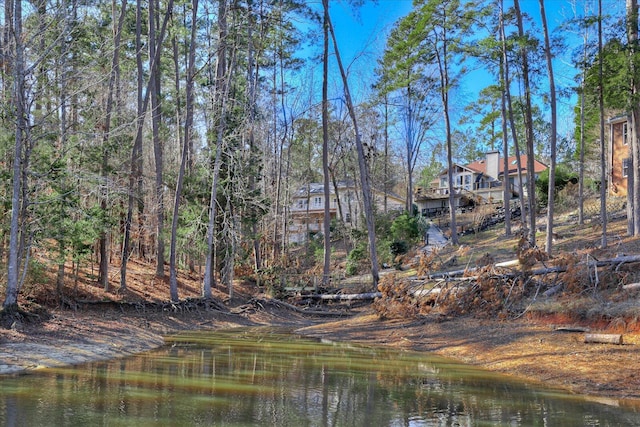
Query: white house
pixel 307 207
pixel 478 182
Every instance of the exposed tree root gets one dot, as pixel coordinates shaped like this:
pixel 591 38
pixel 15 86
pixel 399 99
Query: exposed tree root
pixel 13 315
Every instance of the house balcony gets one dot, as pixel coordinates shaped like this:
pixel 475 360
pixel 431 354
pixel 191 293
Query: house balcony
pixel 480 189
pixel 311 209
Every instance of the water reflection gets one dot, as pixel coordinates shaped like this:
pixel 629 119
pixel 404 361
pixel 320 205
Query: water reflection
pixel 263 377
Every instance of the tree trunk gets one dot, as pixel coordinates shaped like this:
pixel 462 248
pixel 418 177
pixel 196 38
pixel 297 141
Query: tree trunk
pixel 11 293
pixel 512 126
pixel 632 36
pixel 528 120
pixel 386 188
pixel 135 152
pixel 103 272
pixel 443 69
pixel 135 175
pixel 506 187
pixel 552 101
pixel 582 130
pixel 409 148
pixel 253 69
pixel 364 173
pixel 603 162
pixel 222 79
pixel 173 268
pixel 156 122
pixel 326 270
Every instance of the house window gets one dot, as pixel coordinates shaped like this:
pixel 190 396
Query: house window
pixel 625 167
pixel 625 134
pixel 443 182
pixel 467 182
pixel 317 201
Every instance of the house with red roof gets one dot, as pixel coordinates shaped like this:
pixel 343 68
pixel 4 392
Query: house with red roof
pixel 476 183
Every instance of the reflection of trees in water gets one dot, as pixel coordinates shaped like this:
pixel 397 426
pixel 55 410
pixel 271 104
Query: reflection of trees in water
pixel 270 379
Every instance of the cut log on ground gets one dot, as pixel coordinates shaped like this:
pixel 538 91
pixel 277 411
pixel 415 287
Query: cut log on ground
pixel 631 286
pixel 348 297
pixel 512 263
pixel 603 339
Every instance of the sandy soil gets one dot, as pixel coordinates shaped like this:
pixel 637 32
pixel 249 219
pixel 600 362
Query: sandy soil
pixel 535 351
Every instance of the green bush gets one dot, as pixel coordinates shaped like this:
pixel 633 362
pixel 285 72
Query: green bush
pixel 408 228
pixel 563 176
pixel 399 247
pixel 351 268
pixel 355 257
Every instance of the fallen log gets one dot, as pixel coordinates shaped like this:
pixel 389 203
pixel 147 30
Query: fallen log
pixel 347 297
pixel 603 339
pixel 512 263
pixel 261 303
pixel 553 290
pixel 631 286
pixel 571 329
pixel 627 259
pixel 426 292
pixel 447 274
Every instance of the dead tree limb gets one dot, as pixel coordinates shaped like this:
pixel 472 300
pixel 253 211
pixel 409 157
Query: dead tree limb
pixel 348 297
pixel 540 271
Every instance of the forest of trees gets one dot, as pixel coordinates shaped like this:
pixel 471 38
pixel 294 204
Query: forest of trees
pixel 176 132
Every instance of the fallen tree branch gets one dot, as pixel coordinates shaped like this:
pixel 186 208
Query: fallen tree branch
pixel 347 297
pixel 627 259
pixel 262 302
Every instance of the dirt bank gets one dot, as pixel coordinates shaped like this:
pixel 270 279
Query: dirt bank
pixel 535 351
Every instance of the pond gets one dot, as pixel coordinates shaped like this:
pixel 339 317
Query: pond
pixel 249 377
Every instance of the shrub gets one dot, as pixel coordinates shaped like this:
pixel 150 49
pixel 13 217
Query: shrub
pixel 407 227
pixel 563 176
pixel 399 247
pixel 355 257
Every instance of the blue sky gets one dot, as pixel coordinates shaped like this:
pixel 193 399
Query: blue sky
pixel 362 39
pixel 362 36
pixel 365 31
